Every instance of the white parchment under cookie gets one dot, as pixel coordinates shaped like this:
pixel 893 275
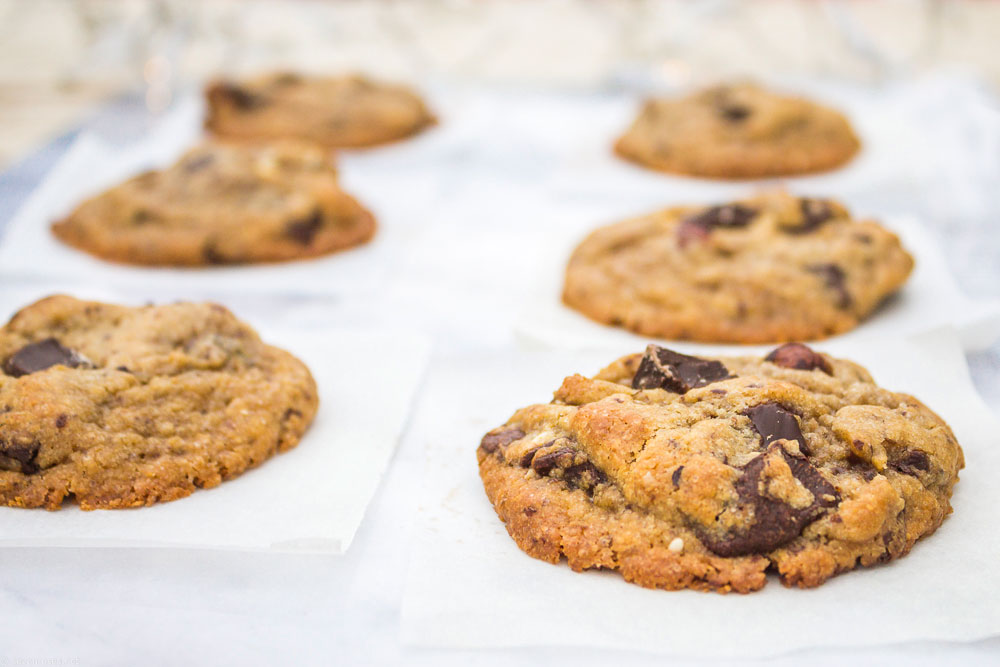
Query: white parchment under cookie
pixel 929 299
pixel 398 197
pixel 469 585
pixel 309 499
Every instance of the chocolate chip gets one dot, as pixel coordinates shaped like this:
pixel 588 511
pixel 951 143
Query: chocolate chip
pixel 39 356
pixel 814 213
pixel 734 113
pixel 676 476
pixel 210 253
pixel 493 441
pixel 239 97
pixel 304 230
pixel 61 421
pixel 799 356
pixel 19 456
pixel 697 227
pixel 661 368
pixel 914 461
pixel 563 457
pixel 526 458
pixel 834 279
pixel 774 523
pixel 774 422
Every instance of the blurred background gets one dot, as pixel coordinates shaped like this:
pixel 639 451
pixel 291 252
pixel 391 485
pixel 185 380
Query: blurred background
pixel 60 59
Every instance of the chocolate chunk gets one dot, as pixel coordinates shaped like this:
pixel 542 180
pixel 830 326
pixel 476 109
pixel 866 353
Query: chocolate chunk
pixel 774 422
pixel 210 253
pixel 733 112
pixel 834 279
pixel 526 458
pixel 774 523
pixel 19 456
pixel 39 356
pixel 814 213
pixel 914 461
pixel 697 227
pixel 239 97
pixel 563 457
pixel 676 476
pixel 797 355
pixel 493 441
pixel 61 421
pixel 304 230
pixel 661 368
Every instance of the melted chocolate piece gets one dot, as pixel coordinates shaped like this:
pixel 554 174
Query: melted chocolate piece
pixel 834 279
pixel 797 355
pixel 814 213
pixel 661 368
pixel 304 230
pixel 734 112
pixel 565 463
pixel 41 355
pixel 774 422
pixel 211 254
pixel 775 523
pixel 914 461
pixel 491 442
pixel 675 477
pixel 696 227
pixel 239 97
pixel 19 456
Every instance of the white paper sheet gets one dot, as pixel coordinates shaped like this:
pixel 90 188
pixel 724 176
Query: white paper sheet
pixel 310 499
pixel 929 300
pixel 469 585
pixel 891 156
pixel 398 197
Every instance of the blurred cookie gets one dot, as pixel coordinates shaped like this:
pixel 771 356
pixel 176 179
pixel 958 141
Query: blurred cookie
pixel 687 472
pixel 223 204
pixel 739 131
pixel 124 407
pixel 769 269
pixel 337 112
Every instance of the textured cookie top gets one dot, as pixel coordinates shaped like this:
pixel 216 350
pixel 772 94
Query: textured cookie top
pixel 344 111
pixel 769 269
pixel 124 407
pixel 223 203
pixel 738 131
pixel 705 473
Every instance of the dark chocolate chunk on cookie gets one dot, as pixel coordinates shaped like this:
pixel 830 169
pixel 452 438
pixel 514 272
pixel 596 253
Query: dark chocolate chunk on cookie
pixel 661 368
pixel 799 356
pixel 41 355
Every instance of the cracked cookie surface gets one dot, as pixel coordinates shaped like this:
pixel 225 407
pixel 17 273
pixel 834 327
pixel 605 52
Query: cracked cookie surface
pixel 349 111
pixel 769 269
pixel 738 131
pixel 124 407
pixel 684 472
pixel 223 204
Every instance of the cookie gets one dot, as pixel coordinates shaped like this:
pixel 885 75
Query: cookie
pixel 738 131
pixel 223 204
pixel 337 112
pixel 773 268
pixel 687 472
pixel 123 407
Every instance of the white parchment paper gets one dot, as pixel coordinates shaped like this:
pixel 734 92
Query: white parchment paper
pixel 929 300
pixel 309 499
pixel 470 586
pixel 397 196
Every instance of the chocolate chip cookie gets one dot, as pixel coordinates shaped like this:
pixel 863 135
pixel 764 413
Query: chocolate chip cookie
pixel 337 112
pixel 223 204
pixel 738 131
pixel 123 407
pixel 685 472
pixel 769 269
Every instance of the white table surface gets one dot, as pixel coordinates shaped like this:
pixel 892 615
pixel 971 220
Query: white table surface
pixel 123 606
